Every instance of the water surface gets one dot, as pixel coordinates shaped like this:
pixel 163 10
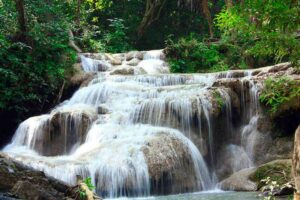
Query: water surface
pixel 203 196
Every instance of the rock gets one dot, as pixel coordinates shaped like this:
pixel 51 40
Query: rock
pixel 239 181
pixel 123 70
pixel 133 62
pixel 81 78
pixel 102 110
pixel 140 55
pixel 280 67
pixel 64 129
pixel 130 55
pixel 39 191
pixel 26 183
pixel 264 124
pixel 277 170
pixel 115 59
pixel 296 162
pixel 135 55
pixel 234 84
pixel 170 165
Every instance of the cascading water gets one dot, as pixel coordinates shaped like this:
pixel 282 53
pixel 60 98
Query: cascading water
pixel 116 129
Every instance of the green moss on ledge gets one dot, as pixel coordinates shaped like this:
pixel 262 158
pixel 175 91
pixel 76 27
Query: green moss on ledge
pixel 278 170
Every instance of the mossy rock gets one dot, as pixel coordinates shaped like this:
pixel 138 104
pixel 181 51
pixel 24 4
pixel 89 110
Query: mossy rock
pixel 278 170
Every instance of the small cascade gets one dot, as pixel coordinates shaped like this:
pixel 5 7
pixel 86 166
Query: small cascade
pixel 138 130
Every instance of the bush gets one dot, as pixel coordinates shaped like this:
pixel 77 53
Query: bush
pixel 114 40
pixel 33 70
pixel 264 30
pixel 190 54
pixel 278 91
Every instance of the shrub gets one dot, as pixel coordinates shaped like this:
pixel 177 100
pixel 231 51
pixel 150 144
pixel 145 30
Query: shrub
pixel 190 54
pixel 115 40
pixel 263 30
pixel 278 91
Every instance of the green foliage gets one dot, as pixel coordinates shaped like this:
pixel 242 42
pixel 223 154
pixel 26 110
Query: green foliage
pixel 278 91
pixel 116 41
pixel 188 55
pixel 218 98
pixel 32 71
pixel 263 29
pixel 81 192
pixel 89 184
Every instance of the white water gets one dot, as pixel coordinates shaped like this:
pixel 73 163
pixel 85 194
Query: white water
pixel 140 108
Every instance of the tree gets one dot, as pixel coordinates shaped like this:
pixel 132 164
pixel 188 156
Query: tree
pixel 21 20
pixel 154 8
pixel 152 13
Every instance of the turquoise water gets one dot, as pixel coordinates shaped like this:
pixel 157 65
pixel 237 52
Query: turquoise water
pixel 204 196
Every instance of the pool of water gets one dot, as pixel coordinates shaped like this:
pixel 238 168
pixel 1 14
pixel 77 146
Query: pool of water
pixel 204 196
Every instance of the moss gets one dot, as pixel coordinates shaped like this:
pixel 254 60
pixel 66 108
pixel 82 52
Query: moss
pixel 279 171
pixel 219 100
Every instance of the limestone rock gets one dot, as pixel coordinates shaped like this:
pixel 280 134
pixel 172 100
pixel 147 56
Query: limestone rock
pixel 26 183
pixel 239 181
pixel 115 59
pixel 123 70
pixel 170 165
pixel 64 130
pixel 133 62
pixel 35 191
pixel 102 110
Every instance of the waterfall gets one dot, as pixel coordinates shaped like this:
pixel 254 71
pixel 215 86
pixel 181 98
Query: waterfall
pixel 142 133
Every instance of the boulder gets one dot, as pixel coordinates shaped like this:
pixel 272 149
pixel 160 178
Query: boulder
pixel 170 165
pixel 239 181
pixel 133 62
pixel 64 129
pixel 278 170
pixel 102 110
pixel 130 55
pixel 25 183
pixel 115 59
pixel 25 189
pixel 122 70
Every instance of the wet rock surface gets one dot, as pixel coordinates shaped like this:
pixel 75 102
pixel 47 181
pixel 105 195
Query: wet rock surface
pixel 20 182
pixel 63 131
pixel 170 165
pixel 239 181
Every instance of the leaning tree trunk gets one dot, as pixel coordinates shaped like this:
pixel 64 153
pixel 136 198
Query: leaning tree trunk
pixel 20 7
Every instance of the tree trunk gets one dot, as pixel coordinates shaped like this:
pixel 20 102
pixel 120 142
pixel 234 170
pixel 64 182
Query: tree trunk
pixel 72 42
pixel 207 15
pixel 229 4
pixel 152 13
pixel 21 20
pixel 78 13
